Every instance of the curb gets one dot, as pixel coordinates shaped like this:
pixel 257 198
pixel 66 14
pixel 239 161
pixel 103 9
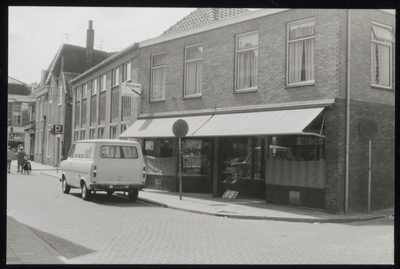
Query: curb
pixel 252 217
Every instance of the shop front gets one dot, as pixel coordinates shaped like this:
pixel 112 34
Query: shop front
pixel 274 155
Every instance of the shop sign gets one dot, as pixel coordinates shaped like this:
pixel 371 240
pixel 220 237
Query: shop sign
pixel 131 89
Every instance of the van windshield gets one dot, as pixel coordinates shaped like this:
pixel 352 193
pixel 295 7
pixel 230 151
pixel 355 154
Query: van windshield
pixel 118 152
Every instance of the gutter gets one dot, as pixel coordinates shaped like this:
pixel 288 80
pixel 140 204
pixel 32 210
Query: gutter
pixel 346 187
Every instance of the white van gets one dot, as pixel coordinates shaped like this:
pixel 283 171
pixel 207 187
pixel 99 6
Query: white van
pixel 108 165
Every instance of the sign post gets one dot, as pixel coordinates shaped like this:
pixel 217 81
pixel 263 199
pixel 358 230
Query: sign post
pixel 180 129
pixel 369 129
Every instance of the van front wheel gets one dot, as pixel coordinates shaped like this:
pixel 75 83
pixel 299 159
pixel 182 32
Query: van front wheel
pixel 65 187
pixel 133 194
pixel 85 192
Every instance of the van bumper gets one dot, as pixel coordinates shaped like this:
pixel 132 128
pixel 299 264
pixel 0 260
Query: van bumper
pixel 115 187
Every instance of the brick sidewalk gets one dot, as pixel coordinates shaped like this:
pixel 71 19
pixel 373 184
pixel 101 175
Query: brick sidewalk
pixel 25 247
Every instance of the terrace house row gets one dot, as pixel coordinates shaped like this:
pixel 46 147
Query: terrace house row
pixel 273 100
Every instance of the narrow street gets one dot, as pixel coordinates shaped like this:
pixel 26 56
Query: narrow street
pixel 113 230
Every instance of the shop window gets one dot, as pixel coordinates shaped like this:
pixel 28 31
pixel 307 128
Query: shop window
pixel 195 157
pixel 113 132
pixel 300 60
pixel 92 133
pixel 83 115
pixel 381 55
pixel 100 134
pixel 83 134
pixel 246 61
pixel 193 70
pixel 114 111
pixel 243 157
pixel 158 77
pixel 126 107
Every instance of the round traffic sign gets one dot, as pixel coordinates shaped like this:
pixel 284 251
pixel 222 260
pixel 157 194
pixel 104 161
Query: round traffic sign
pixel 180 128
pixel 369 129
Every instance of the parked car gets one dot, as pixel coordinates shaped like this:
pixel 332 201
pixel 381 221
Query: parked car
pixel 108 165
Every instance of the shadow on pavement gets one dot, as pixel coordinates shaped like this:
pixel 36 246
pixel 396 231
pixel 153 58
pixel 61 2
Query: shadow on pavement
pixel 104 199
pixel 66 248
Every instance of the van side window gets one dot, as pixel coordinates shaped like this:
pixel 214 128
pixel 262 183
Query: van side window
pixel 118 152
pixel 83 150
pixel 72 151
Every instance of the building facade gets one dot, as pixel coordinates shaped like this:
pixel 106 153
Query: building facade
pixel 21 112
pixel 54 99
pixel 273 100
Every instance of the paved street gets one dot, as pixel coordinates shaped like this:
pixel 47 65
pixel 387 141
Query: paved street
pixel 113 230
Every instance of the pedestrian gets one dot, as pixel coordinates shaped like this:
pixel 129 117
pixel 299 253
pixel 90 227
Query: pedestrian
pixel 10 155
pixel 21 158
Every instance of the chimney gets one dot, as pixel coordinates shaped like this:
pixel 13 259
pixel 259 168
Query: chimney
pixel 89 46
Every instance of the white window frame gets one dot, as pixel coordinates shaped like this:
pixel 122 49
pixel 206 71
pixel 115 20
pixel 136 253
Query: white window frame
pixel 306 82
pixel 197 94
pixel 151 79
pixel 85 90
pixel 92 132
pixel 60 97
pixel 127 71
pixel 78 95
pixel 237 52
pixel 115 77
pixel 389 44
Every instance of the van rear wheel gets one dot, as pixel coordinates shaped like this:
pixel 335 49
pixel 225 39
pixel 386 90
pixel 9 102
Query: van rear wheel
pixel 85 192
pixel 133 194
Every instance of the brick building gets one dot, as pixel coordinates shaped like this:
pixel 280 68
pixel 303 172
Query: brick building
pixel 54 98
pixel 273 99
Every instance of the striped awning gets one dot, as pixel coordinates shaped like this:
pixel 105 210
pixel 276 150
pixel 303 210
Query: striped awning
pixel 162 127
pixel 292 121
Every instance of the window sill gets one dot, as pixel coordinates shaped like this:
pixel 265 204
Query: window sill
pixel 380 87
pixel 252 89
pixel 157 100
pixel 114 86
pixel 308 83
pixel 194 96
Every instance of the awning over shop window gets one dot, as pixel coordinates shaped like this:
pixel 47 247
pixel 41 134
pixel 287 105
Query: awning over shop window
pixel 162 127
pixel 292 121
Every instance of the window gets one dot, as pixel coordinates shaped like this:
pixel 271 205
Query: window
pixel 61 94
pixel 115 77
pixel 100 133
pixel 92 133
pixel 114 104
pixel 103 82
pixel 158 77
pixel 78 94
pixel 37 143
pixel 94 87
pixel 127 72
pixel 113 132
pixel 193 70
pixel 77 113
pixel 195 159
pixel 85 90
pixel 83 133
pixel 126 107
pixel 41 108
pixel 72 152
pixel 33 112
pixel 40 141
pixel 102 106
pixel 301 38
pixel 83 114
pixel 381 55
pixel 124 127
pixel 118 152
pixel 246 61
pixel 93 110
pixel 76 135
pixel 17 115
pixel 38 106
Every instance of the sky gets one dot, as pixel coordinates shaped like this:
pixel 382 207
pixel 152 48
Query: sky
pixel 36 33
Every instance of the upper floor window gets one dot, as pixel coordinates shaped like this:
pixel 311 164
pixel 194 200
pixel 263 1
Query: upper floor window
pixel 95 86
pixel 193 70
pixel 78 94
pixel 300 59
pixel 127 72
pixel 42 108
pixel 38 107
pixel 103 82
pixel 246 61
pixel 381 55
pixel 158 77
pixel 85 90
pixel 115 77
pixel 17 115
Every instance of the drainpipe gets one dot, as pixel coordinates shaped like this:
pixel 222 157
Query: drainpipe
pixel 347 112
pixel 44 133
